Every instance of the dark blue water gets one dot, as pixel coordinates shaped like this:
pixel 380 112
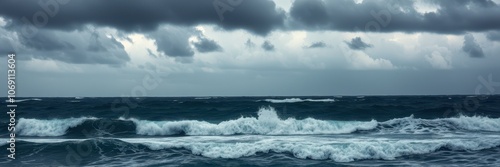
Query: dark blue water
pixel 256 131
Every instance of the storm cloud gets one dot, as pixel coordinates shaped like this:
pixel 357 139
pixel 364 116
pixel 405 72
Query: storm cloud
pixel 258 16
pixel 317 45
pixel 150 53
pixel 358 44
pixel 144 16
pixel 249 43
pixel 471 47
pixel 493 36
pixel 42 20
pixel 77 47
pixel 451 17
pixel 48 41
pixel 5 47
pixel 173 41
pixel 267 46
pixel 205 45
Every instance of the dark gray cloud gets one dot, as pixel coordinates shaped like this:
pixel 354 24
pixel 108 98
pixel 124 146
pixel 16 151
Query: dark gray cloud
pixel 358 44
pixel 493 35
pixel 260 16
pixel 77 47
pixel 456 16
pixel 65 20
pixel 257 16
pixel 150 53
pixel 47 41
pixel 268 46
pixel 205 45
pixel 5 47
pixel 95 45
pixel 317 45
pixel 471 47
pixel 313 13
pixel 173 41
pixel 249 43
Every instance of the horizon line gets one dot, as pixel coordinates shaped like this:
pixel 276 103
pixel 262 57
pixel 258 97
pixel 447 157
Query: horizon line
pixel 252 96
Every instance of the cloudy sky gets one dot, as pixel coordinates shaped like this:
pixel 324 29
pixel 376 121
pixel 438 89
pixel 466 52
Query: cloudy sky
pixel 250 47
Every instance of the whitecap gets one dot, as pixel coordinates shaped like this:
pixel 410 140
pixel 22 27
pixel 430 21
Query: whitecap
pixel 52 127
pixel 297 100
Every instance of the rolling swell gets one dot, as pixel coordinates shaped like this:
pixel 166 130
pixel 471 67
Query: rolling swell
pixel 266 123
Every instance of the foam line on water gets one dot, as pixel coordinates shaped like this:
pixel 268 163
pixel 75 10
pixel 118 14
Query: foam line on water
pixel 306 147
pixel 22 100
pixel 297 100
pixel 341 151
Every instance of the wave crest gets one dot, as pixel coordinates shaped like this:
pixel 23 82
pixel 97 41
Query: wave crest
pixel 267 123
pixel 440 125
pixel 53 127
pixel 297 100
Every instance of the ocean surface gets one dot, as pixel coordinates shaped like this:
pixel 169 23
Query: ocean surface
pixel 256 131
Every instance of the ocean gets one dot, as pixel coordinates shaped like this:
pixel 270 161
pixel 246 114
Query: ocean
pixel 255 131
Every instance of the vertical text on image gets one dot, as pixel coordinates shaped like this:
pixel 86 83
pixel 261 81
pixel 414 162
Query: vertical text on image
pixel 11 95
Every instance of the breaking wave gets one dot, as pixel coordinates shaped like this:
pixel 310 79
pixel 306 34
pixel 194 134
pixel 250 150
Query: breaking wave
pixel 53 127
pixel 297 100
pixel 266 123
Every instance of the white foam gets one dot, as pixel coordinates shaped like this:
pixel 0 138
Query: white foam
pixel 339 150
pixel 51 140
pixel 202 98
pixel 21 100
pixel 267 123
pixel 476 123
pixel 53 127
pixel 297 100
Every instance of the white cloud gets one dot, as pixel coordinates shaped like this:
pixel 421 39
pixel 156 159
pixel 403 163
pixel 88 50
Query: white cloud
pixel 284 4
pixel 297 39
pixel 426 7
pixel 438 61
pixel 138 49
pixel 2 22
pixel 358 1
pixel 361 61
